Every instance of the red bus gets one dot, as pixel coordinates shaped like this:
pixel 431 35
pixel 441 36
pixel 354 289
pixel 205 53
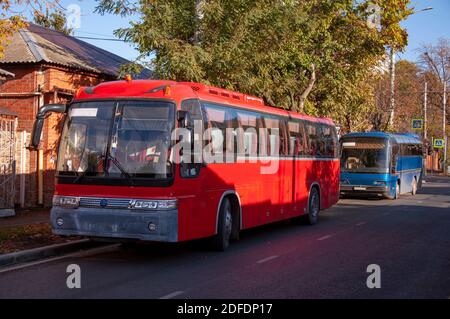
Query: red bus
pixel 119 174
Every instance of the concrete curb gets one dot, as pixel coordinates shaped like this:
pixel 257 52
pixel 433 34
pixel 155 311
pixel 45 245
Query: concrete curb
pixel 19 257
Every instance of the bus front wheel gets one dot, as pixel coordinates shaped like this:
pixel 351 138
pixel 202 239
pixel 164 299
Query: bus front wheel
pixel 221 240
pixel 396 193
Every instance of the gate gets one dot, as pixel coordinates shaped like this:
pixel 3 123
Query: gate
pixel 8 124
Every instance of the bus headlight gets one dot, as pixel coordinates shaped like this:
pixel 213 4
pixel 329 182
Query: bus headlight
pixel 154 204
pixel 66 201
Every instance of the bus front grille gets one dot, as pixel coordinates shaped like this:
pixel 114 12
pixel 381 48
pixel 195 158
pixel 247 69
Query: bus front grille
pixel 104 202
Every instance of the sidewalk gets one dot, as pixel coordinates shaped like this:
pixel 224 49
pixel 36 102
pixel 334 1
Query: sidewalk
pixel 26 217
pixel 27 230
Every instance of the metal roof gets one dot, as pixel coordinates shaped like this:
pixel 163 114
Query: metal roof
pixel 401 138
pixel 36 44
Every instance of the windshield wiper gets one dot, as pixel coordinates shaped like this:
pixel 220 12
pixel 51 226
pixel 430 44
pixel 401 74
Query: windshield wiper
pixel 121 169
pixel 114 161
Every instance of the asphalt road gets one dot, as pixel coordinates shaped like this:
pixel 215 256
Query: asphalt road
pixel 409 239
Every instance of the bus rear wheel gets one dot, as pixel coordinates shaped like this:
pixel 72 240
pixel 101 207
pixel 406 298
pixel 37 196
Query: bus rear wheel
pixel 313 207
pixel 221 240
pixel 397 191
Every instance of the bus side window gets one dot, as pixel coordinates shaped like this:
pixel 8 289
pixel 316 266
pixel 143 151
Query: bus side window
pixel 248 123
pixel 284 138
pixel 314 146
pixel 335 143
pixel 273 127
pixel 193 107
pixel 321 141
pixel 216 125
pixel 329 140
pixel 231 136
pixel 311 139
pixel 296 138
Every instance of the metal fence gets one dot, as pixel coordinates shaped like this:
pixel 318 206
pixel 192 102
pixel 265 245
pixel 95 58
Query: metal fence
pixel 8 126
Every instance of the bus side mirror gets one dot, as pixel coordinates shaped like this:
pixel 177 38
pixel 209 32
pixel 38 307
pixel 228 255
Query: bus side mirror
pixel 39 122
pixel 184 118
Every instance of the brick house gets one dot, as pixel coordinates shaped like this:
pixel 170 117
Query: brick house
pixel 43 66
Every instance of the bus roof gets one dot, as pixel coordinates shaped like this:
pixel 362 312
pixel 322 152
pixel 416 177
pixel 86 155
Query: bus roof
pixel 183 90
pixel 401 138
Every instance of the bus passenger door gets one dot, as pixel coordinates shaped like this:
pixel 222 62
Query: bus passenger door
pixel 395 167
pixel 190 179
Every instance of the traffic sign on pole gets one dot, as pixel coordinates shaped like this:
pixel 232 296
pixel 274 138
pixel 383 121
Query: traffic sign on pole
pixel 417 124
pixel 439 143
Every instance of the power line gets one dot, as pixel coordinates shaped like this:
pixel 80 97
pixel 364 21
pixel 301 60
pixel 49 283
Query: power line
pixel 102 39
pixel 78 37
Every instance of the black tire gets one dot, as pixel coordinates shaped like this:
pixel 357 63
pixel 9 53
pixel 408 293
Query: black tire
pixel 313 209
pixel 395 195
pixel 221 240
pixel 414 187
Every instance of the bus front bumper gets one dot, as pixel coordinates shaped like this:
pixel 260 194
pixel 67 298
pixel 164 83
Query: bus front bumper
pixel 159 226
pixel 364 190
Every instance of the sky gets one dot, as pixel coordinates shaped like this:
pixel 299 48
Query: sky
pixel 426 27
pixel 423 27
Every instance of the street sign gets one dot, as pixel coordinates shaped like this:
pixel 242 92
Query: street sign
pixel 417 124
pixel 439 143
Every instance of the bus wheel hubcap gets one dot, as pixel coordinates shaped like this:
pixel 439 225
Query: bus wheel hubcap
pixel 228 223
pixel 314 206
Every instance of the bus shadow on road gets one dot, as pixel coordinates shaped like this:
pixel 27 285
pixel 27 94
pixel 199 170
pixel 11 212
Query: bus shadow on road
pixel 253 237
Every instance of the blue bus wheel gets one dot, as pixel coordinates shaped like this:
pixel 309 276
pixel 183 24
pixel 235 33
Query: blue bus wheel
pixel 414 187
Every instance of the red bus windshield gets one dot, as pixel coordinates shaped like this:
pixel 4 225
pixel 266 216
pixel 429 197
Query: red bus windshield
pixel 110 139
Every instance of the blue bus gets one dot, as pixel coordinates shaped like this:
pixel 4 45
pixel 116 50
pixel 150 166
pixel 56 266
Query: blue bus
pixel 380 164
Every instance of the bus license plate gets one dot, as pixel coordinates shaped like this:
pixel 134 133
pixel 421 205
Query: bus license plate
pixel 359 188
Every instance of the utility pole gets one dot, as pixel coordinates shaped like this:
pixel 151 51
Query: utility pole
pixel 425 115
pixel 392 87
pixel 198 17
pixel 444 124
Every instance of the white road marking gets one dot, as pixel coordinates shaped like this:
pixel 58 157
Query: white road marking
pixel 76 254
pixel 325 237
pixel 172 295
pixel 266 259
pixel 361 223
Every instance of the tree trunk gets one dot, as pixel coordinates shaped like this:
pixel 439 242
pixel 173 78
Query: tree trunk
pixel 311 82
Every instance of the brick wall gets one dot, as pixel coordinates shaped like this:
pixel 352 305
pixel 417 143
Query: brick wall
pixel 27 80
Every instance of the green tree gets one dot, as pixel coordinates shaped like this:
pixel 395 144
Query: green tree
pixel 11 21
pixel 310 56
pixel 55 20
